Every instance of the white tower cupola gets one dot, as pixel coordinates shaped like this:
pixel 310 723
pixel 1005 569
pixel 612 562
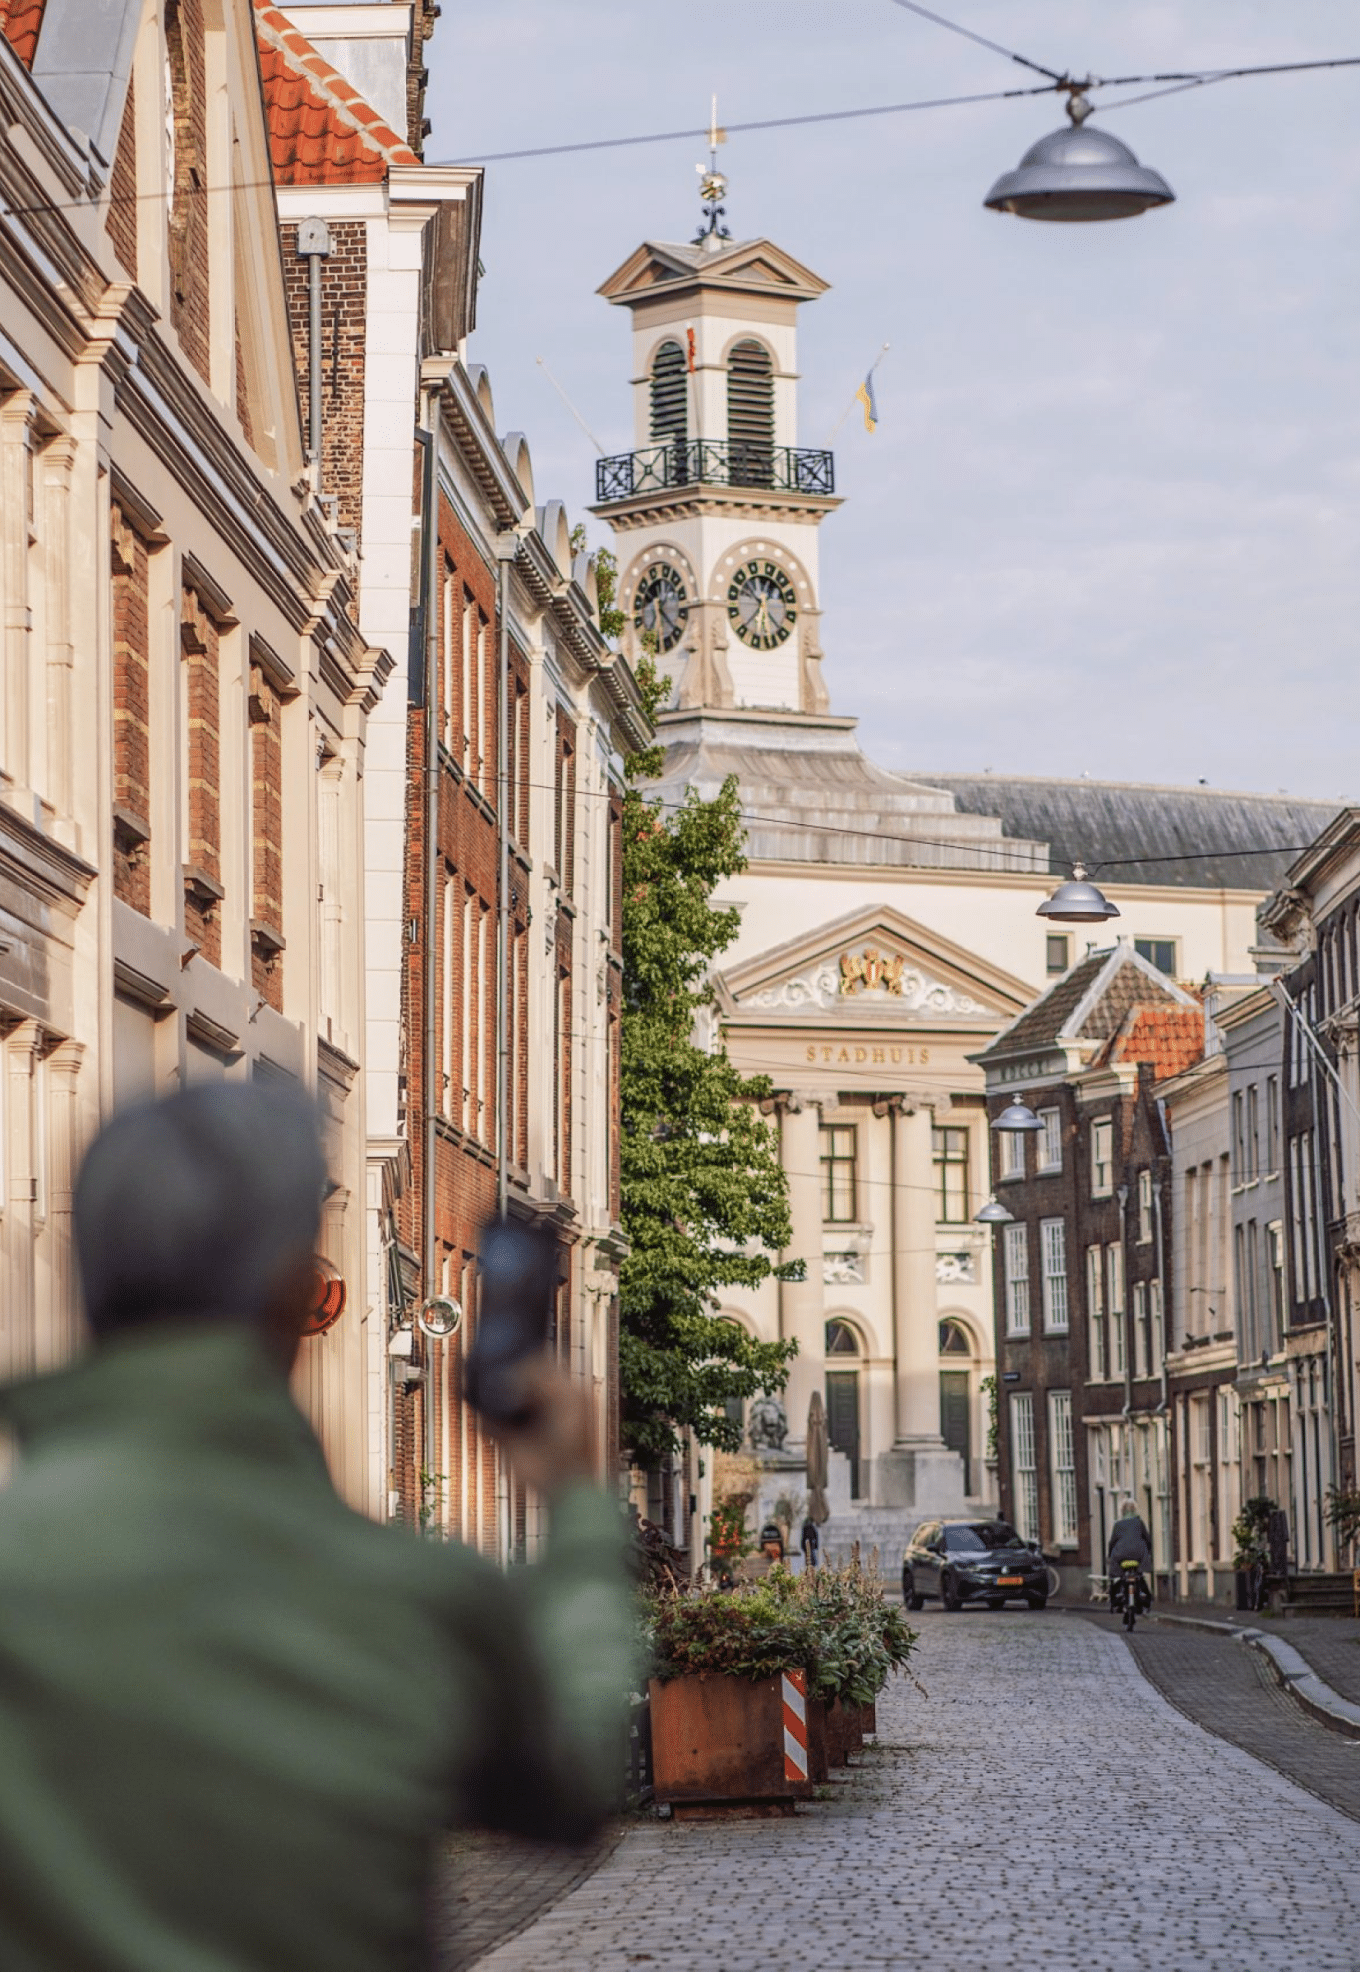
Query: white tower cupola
pixel 716 509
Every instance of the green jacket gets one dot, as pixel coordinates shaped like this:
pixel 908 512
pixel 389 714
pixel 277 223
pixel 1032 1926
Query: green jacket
pixel 233 1713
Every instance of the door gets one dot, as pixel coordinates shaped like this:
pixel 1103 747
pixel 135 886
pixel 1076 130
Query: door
pixel 955 1406
pixel 842 1419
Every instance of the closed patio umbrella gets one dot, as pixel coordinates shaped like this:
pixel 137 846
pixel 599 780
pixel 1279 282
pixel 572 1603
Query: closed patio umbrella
pixel 818 1450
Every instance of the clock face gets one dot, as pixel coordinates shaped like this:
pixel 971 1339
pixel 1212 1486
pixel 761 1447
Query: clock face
pixel 761 604
pixel 660 606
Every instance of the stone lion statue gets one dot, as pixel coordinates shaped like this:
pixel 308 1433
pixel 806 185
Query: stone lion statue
pixel 767 1425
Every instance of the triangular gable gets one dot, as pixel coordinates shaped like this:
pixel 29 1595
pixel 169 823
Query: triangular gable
pixel 750 266
pixel 873 965
pixel 321 131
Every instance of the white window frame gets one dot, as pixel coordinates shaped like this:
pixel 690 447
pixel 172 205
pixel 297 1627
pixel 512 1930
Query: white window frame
pixel 1102 1167
pixel 1048 1147
pixel 1097 1368
pixel 1011 1156
pixel 1053 1251
pixel 1024 1471
pixel 1114 1307
pixel 1015 1256
pixel 1063 1462
pixel 1140 1334
pixel 1145 1207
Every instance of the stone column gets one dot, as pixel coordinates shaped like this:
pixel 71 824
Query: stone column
pixel 915 1323
pixel 19 1056
pixel 16 533
pixel 919 1472
pixel 801 1311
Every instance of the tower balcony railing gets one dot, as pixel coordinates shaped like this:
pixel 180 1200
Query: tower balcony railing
pixel 714 462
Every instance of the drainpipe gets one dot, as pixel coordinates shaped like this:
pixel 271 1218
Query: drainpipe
pixel 430 1093
pixel 507 547
pixel 1122 1195
pixel 314 245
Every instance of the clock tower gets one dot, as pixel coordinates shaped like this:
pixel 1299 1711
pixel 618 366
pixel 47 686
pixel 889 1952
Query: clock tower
pixel 716 509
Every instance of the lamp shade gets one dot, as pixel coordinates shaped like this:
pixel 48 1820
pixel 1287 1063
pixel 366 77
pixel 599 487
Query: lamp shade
pixel 1017 1115
pixel 994 1213
pixel 1078 901
pixel 1079 173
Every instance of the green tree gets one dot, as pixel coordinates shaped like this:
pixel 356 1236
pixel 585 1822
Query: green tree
pixel 704 1198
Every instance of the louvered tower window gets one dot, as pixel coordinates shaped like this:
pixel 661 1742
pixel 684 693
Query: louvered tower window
pixel 750 415
pixel 670 421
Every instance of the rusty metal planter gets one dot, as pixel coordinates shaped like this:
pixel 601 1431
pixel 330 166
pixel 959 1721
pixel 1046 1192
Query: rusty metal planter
pixel 721 1738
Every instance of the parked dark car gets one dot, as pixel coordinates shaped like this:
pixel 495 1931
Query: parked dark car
pixel 972 1561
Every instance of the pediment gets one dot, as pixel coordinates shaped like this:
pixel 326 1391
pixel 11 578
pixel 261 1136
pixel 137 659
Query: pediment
pixel 875 965
pixel 751 266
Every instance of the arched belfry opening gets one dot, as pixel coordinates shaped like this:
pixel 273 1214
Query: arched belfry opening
pixel 750 414
pixel 670 410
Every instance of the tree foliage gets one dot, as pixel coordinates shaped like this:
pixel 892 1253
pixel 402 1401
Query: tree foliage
pixel 704 1198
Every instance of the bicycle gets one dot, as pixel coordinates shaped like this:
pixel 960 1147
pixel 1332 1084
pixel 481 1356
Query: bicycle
pixel 1128 1592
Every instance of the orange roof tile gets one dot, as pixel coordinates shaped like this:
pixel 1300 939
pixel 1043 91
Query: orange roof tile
pixel 20 21
pixel 1168 1039
pixel 321 131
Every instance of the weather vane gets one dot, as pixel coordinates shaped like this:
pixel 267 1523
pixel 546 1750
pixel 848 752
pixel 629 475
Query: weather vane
pixel 712 187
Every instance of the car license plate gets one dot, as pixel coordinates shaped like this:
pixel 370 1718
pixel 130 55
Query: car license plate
pixel 1010 1581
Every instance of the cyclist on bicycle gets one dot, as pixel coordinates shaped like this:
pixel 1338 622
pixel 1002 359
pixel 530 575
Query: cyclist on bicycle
pixel 1129 1541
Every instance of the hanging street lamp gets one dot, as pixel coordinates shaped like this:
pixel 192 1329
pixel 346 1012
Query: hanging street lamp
pixel 994 1213
pixel 1017 1115
pixel 1079 174
pixel 1077 901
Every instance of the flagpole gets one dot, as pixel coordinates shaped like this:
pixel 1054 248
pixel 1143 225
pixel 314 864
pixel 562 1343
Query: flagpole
pixel 855 399
pixel 570 406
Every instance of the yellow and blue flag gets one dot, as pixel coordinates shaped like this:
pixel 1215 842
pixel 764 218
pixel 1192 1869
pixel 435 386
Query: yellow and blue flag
pixel 865 396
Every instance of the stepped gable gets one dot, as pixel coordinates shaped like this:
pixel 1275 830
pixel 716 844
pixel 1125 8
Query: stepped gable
pixel 809 794
pixel 1120 829
pixel 321 131
pixel 1095 1002
pixel 20 23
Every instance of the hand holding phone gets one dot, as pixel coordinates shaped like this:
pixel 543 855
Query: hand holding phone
pixel 518 1276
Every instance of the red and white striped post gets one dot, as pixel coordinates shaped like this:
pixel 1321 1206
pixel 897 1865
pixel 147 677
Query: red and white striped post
pixel 793 1690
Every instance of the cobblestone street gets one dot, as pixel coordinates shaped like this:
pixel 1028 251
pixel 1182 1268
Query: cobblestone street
pixel 1043 1804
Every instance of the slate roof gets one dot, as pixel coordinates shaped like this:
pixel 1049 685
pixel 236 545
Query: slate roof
pixel 20 22
pixel 1121 829
pixel 1095 1002
pixel 321 131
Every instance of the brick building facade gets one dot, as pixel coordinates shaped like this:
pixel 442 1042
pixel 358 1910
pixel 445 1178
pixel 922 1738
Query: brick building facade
pixel 1082 1269
pixel 494 604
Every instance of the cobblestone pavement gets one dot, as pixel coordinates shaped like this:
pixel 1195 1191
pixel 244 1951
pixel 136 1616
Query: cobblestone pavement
pixel 1232 1691
pixel 1043 1805
pixel 489 1887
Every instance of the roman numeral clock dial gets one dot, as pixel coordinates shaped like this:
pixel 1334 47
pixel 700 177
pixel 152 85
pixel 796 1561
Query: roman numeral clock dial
pixel 761 605
pixel 661 606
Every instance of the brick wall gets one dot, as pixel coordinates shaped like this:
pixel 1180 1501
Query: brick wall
pixel 131 717
pixel 122 218
pixel 202 700
pixel 344 304
pixel 465 1173
pixel 188 215
pixel 266 833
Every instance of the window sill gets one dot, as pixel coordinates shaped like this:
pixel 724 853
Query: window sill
pixel 1052 1330
pixel 1048 1171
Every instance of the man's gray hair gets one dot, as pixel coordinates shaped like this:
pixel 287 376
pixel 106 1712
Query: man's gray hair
pixel 194 1207
pixel 1129 1510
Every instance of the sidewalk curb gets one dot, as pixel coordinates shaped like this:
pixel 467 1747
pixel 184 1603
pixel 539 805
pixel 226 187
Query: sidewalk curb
pixel 1291 1669
pixel 1302 1682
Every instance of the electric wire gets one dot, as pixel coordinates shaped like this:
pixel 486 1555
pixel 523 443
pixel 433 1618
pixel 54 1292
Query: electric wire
pixel 912 7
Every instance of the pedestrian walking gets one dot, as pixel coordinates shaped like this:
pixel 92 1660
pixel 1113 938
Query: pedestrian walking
pixel 810 1541
pixel 235 1715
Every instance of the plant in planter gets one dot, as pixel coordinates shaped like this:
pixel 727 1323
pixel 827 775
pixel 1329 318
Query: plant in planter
pixel 727 1537
pixel 1343 1513
pixel 720 1736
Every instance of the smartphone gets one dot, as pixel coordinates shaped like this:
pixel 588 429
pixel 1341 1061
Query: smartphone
pixel 518 1273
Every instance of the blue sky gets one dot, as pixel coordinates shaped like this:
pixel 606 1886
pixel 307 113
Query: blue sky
pixel 1108 522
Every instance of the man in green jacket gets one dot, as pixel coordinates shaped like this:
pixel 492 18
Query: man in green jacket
pixel 234 1715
